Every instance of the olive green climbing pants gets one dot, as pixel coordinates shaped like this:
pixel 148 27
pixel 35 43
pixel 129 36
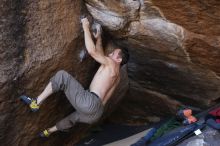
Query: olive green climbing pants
pixel 88 105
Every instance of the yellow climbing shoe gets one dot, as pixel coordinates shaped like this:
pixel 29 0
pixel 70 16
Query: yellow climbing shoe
pixel 44 134
pixel 32 102
pixel 34 106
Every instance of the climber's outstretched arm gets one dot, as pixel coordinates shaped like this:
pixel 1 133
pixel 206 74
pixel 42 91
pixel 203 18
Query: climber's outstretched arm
pixel 96 53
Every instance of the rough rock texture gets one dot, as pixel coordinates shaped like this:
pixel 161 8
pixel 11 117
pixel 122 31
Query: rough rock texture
pixel 174 48
pixel 174 51
pixel 39 38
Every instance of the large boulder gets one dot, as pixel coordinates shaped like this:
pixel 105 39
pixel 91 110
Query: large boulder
pixel 174 51
pixel 38 38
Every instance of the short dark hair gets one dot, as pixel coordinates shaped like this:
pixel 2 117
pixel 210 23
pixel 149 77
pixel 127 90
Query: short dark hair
pixel 124 55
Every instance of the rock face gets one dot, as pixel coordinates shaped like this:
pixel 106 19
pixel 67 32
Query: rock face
pixel 174 48
pixel 39 38
pixel 174 52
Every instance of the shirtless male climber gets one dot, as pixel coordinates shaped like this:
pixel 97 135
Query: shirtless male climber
pixel 89 104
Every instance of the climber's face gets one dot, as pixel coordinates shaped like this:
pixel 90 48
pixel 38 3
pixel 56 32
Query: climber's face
pixel 116 55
